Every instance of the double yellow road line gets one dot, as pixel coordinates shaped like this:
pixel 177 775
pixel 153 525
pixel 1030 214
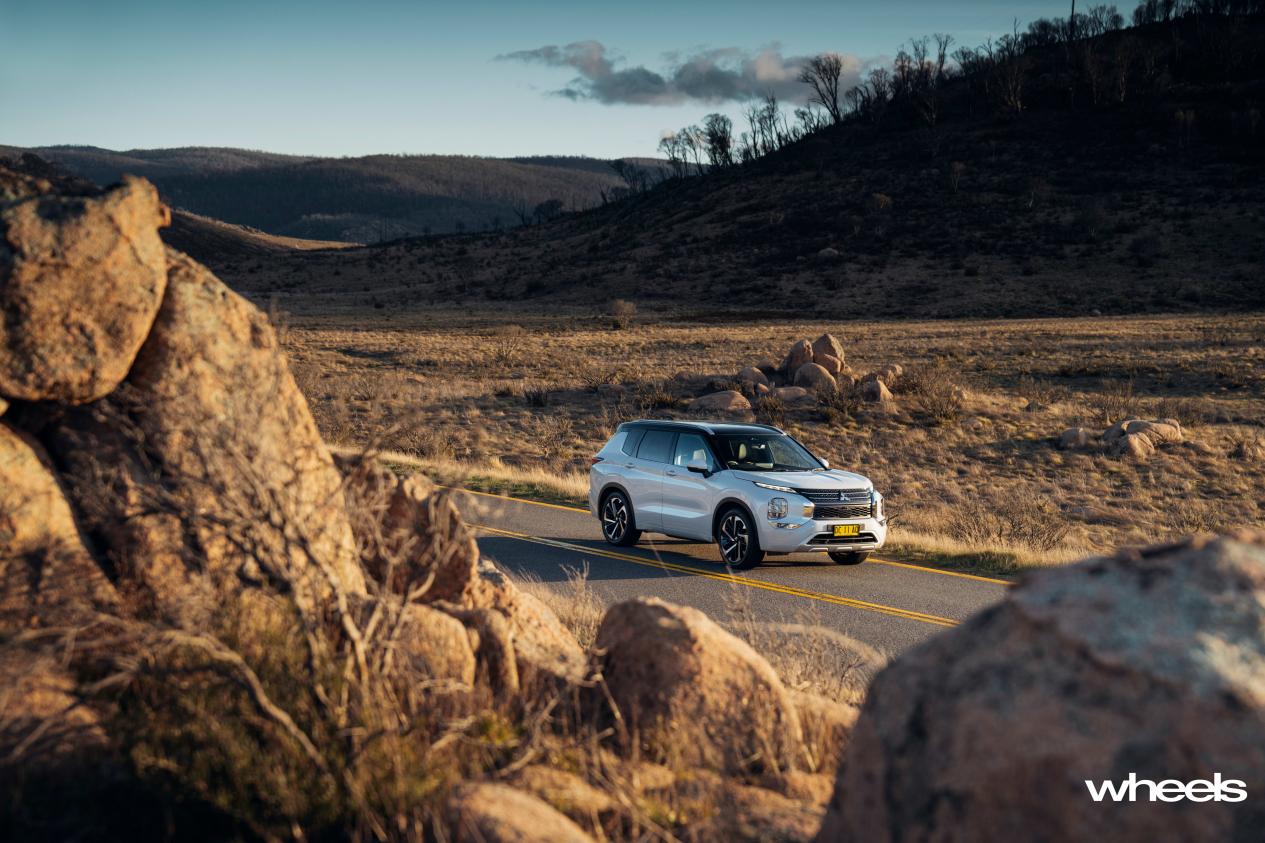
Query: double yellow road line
pixel 726 577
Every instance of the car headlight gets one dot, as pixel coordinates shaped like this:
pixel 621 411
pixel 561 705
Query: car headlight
pixel 773 487
pixel 878 505
pixel 778 508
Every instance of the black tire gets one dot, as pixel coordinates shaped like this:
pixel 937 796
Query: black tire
pixel 848 557
pixel 619 524
pixel 738 540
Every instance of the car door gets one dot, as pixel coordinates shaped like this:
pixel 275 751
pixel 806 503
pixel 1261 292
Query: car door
pixel 645 478
pixel 687 510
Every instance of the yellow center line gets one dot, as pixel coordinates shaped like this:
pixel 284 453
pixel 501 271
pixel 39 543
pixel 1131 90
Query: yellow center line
pixel 734 579
pixel 871 561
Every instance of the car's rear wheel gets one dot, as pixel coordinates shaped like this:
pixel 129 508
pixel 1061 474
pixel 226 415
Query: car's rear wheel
pixel 737 539
pixel 619 527
pixel 848 557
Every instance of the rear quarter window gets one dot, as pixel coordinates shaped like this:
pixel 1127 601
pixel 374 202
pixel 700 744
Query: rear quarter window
pixel 632 440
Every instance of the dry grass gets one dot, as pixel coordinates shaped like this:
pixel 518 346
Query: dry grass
pixel 975 419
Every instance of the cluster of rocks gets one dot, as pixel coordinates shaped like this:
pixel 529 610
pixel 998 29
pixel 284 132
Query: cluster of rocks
pixel 808 370
pixel 159 468
pixel 1135 439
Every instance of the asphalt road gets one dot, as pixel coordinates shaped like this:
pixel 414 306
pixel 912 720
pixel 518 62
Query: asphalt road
pixel 887 605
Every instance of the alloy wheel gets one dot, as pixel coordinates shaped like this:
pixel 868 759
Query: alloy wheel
pixel 735 538
pixel 614 518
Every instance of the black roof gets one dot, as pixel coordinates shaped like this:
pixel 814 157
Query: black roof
pixel 705 426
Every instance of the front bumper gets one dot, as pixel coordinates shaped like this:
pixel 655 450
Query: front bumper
pixel 805 535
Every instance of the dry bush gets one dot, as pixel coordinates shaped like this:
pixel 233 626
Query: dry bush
pixel 576 604
pixel 538 395
pixel 654 394
pixel 936 391
pixel 1247 447
pixel 1021 518
pixel 549 435
pixel 622 313
pixel 1190 411
pixel 507 343
pixel 1040 392
pixel 594 376
pixel 1115 401
pixel 839 405
pixel 770 410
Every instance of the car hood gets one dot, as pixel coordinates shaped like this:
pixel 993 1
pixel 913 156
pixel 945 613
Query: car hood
pixel 824 480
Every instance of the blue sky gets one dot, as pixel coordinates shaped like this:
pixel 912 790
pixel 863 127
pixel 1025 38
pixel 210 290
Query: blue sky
pixel 361 77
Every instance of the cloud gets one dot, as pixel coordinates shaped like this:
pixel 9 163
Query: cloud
pixel 711 76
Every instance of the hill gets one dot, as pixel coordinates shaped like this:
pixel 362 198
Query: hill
pixel 364 200
pixel 1072 202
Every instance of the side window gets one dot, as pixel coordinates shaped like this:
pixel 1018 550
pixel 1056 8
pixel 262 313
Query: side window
pixel 632 440
pixel 690 447
pixel 656 446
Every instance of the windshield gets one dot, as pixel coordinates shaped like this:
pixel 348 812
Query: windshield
pixel 764 452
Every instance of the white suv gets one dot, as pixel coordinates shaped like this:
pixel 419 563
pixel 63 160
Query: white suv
pixel 750 488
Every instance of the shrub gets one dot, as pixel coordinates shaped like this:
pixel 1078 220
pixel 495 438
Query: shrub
pixel 1016 518
pixel 1115 402
pixel 622 313
pixel 770 410
pixel 539 395
pixel 507 341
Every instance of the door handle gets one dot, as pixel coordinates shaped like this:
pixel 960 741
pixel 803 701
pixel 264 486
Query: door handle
pixel 670 473
pixel 630 465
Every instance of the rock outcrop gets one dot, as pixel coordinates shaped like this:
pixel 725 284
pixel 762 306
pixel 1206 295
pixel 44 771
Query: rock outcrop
pixel 81 279
pixel 1135 439
pixel 1148 663
pixel 693 693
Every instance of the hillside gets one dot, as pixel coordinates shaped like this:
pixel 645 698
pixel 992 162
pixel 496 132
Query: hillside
pixel 1066 206
pixel 361 200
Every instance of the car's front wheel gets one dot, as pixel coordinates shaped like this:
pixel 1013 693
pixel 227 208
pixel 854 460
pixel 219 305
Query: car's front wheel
pixel 618 525
pixel 849 557
pixel 737 539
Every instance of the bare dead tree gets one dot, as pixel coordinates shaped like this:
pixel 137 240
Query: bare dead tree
pixel 822 74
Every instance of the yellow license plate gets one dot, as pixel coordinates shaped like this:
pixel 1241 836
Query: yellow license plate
pixel 847 530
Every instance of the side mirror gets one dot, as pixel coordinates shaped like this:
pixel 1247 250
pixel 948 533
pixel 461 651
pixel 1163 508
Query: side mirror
pixel 700 467
pixel 825 463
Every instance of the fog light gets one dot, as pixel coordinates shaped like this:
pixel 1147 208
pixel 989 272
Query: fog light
pixel 778 508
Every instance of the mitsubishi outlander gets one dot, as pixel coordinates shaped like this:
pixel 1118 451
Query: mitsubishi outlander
pixel 751 488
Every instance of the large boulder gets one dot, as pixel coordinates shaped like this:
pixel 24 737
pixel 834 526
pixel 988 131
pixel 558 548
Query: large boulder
pixel 829 362
pixel 1077 439
pixel 827 345
pixel 791 394
pixel 436 644
pixel 543 647
pixel 484 812
pixel 753 375
pixel 799 354
pixel 694 694
pixel 1138 439
pixel 814 377
pixel 47 576
pixel 81 280
pixel 1148 663
pixel 875 391
pixel 728 401
pixel 206 470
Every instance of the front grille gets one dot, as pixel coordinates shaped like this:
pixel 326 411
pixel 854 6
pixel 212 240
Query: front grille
pixel 839 503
